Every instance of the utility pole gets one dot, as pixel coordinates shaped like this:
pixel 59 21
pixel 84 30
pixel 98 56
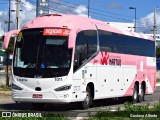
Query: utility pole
pixel 154 26
pixel 9 17
pixel 134 18
pixel 7 52
pixel 88 7
pixel 17 15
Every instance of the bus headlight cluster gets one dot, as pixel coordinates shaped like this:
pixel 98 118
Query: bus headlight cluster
pixel 16 87
pixel 63 88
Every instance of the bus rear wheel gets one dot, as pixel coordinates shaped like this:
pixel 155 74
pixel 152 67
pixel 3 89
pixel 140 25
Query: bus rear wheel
pixel 88 99
pixel 141 94
pixel 135 94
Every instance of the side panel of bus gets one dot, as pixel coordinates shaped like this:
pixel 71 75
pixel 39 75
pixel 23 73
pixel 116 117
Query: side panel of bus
pixel 121 63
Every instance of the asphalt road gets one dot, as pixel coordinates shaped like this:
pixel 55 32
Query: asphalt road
pixel 6 103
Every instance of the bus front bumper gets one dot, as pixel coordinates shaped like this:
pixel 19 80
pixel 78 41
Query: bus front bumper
pixel 41 97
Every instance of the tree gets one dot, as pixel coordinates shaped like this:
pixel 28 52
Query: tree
pixel 11 44
pixel 9 49
pixel 158 52
pixel 7 52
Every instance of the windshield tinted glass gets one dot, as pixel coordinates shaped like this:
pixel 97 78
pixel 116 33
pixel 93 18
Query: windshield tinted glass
pixel 38 55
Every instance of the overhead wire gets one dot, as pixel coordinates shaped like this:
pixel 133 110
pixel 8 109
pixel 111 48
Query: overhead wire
pixel 100 15
pixel 108 12
pixel 49 7
pixel 114 17
pixel 75 7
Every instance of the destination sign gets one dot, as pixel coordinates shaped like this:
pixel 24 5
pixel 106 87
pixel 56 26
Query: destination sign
pixel 56 32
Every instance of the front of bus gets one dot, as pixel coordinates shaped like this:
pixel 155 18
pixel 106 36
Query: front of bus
pixel 42 66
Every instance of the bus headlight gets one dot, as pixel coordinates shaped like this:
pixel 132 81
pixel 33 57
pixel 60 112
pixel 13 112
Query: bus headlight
pixel 63 88
pixel 16 87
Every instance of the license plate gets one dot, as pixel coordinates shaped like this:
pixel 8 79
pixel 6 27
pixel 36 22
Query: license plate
pixel 37 96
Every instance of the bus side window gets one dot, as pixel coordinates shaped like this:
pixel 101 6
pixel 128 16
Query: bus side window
pixel 91 37
pixel 80 50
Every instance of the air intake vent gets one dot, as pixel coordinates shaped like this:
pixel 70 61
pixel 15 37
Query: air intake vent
pixel 38 89
pixel 52 15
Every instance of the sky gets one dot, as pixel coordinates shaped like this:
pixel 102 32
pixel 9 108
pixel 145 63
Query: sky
pixel 105 10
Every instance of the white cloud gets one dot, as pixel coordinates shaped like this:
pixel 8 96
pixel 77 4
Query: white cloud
pixel 145 24
pixel 81 10
pixel 27 5
pixel 29 12
pixel 59 7
pixel 3 18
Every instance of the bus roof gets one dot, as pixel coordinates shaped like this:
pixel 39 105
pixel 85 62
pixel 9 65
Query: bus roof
pixel 76 22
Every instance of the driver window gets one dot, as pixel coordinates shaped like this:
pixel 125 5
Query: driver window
pixel 80 50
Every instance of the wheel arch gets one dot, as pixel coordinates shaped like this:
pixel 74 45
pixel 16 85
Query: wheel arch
pixel 137 83
pixel 143 84
pixel 92 88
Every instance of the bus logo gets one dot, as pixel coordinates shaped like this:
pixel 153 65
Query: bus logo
pixel 104 58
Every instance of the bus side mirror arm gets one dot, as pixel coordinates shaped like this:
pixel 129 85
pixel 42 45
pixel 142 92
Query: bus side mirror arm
pixel 8 36
pixel 78 60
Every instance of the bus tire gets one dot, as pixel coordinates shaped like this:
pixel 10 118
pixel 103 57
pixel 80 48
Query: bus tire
pixel 141 95
pixel 38 106
pixel 88 99
pixel 135 94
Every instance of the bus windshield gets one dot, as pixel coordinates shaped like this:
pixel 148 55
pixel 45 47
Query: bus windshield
pixel 42 56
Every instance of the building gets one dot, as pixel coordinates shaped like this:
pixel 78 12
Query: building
pixel 130 27
pixel 122 26
pixel 157 38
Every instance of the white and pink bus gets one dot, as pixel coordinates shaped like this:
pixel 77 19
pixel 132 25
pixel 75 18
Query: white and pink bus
pixel 62 58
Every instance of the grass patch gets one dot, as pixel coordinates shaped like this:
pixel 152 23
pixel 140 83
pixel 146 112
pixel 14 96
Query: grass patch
pixel 5 88
pixel 130 112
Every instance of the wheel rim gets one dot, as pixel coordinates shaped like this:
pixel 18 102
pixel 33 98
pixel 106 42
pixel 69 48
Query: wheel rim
pixel 135 95
pixel 141 94
pixel 87 100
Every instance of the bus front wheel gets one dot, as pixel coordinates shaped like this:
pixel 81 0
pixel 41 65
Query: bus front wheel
pixel 88 99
